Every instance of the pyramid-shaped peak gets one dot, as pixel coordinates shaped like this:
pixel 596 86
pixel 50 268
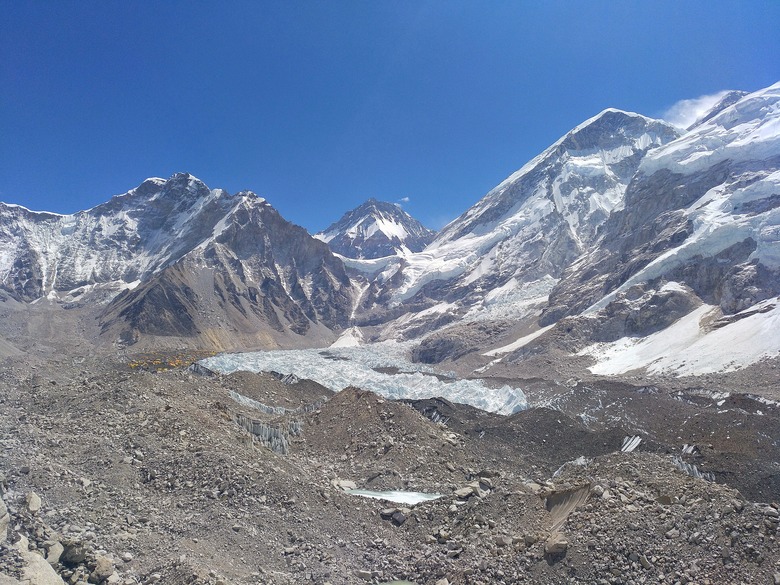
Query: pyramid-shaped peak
pixel 612 126
pixel 376 229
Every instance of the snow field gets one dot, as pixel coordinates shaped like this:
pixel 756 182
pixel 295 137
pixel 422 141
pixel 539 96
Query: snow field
pixel 687 348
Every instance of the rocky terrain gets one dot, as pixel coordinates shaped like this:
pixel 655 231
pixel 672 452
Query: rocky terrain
pixel 623 284
pixel 143 470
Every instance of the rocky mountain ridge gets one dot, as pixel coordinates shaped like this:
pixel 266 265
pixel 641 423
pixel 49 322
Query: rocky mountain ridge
pixel 620 228
pixel 173 260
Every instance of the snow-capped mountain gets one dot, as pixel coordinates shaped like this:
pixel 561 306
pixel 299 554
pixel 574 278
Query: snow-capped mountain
pixel 703 210
pixel 376 229
pixel 112 246
pixel 191 262
pixel 685 276
pixel 623 229
pixel 526 230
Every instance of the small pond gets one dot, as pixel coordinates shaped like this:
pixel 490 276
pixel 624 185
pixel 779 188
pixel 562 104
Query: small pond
pixel 397 497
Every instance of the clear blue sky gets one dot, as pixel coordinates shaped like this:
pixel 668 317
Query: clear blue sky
pixel 318 106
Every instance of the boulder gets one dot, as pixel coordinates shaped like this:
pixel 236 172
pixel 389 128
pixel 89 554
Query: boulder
pixel 36 570
pixel 344 484
pixel 555 545
pixel 34 503
pixel 5 520
pixel 104 568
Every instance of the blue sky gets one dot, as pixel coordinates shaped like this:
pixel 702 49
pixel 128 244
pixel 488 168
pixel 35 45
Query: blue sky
pixel 318 106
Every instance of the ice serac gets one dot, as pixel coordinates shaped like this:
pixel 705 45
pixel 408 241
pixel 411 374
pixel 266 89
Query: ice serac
pixel 703 211
pixel 524 233
pixel 376 229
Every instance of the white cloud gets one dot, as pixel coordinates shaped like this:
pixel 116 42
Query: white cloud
pixel 403 200
pixel 686 112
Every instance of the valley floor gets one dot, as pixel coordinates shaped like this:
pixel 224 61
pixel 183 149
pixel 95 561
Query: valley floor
pixel 146 473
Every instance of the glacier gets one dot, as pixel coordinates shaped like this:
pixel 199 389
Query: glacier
pixel 340 367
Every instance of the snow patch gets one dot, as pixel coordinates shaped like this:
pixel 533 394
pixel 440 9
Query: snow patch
pixel 515 345
pixel 397 497
pixel 352 337
pixel 687 348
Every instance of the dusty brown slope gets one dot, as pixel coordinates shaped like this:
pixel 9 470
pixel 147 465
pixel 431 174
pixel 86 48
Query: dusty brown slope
pixel 153 471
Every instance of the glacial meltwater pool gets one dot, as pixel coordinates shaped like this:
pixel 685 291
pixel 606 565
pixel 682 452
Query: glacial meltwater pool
pixel 397 497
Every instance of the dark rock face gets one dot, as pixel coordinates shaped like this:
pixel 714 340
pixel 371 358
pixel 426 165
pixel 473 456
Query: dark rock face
pixel 259 273
pixel 456 342
pixel 191 262
pixel 655 221
pixel 376 229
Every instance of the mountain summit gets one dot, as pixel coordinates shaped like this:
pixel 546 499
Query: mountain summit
pixel 376 229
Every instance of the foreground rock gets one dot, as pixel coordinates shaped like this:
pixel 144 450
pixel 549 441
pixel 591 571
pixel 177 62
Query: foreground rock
pixel 148 477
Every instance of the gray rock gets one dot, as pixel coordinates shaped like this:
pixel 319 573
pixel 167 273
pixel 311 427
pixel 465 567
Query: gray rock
pixel 555 545
pixel 36 570
pixel 503 540
pixel 5 520
pixel 33 502
pixel 344 484
pixel 104 568
pixel 54 552
pixel 464 492
pixel 73 555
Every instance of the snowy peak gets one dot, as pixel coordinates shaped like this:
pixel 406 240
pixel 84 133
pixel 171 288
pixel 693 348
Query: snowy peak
pixel 612 128
pixel 376 229
pixel 112 246
pixel 540 219
pixel 702 210
pixel 584 175
pixel 728 98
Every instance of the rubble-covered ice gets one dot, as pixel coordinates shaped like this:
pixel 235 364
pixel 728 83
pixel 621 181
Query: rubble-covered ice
pixel 340 367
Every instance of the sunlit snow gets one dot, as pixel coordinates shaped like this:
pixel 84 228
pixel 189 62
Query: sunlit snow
pixel 748 130
pixel 688 347
pixel 340 367
pixel 515 345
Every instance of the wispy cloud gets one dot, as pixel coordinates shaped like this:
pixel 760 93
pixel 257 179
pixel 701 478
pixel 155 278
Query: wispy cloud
pixel 403 200
pixel 686 112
